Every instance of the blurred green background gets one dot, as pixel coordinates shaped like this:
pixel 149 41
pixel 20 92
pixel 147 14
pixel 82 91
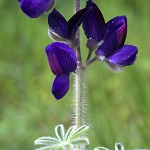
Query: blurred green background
pixel 118 104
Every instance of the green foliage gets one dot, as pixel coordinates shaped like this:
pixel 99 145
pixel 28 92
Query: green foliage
pixel 118 103
pixel 64 141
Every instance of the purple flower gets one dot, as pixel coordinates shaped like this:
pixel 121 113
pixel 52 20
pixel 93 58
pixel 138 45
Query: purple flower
pixel 35 8
pixel 108 38
pixel 62 60
pixel 62 29
pixel 94 24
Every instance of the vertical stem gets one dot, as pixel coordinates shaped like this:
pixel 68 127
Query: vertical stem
pixel 79 85
pixel 78 51
pixel 78 82
pixel 79 101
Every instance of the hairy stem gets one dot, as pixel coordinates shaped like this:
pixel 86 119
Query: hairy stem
pixel 79 85
pixel 79 101
pixel 79 82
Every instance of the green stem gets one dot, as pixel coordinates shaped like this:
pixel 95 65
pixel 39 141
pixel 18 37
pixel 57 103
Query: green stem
pixel 79 101
pixel 78 51
pixel 79 85
pixel 89 55
pixel 90 61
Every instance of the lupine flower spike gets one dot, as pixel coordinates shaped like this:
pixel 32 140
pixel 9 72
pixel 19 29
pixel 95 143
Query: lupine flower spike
pixel 106 39
pixel 109 39
pixel 35 8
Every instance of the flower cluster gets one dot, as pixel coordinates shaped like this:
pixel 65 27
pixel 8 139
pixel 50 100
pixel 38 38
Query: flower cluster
pixel 61 55
pixel 106 39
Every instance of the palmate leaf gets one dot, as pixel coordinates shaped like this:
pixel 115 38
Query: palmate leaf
pixel 64 141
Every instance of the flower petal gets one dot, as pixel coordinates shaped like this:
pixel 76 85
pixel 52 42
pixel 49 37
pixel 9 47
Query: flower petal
pixel 117 25
pixel 62 59
pixel 58 24
pixel 35 8
pixel 94 24
pixel 76 20
pixel 125 56
pixel 114 37
pixel 60 86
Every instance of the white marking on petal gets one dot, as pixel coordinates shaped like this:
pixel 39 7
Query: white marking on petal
pixel 102 58
pixel 100 43
pixel 113 67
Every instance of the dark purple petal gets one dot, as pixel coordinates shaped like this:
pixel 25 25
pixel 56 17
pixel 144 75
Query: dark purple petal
pixel 114 37
pixel 35 8
pixel 60 86
pixel 125 56
pixel 108 47
pixel 76 20
pixel 94 24
pixel 117 25
pixel 62 59
pixel 58 24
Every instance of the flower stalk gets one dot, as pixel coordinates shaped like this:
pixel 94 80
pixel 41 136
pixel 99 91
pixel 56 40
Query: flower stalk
pixel 79 98
pixel 79 82
pixel 78 51
pixel 79 102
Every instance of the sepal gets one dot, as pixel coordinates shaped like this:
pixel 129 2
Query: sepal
pixel 92 44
